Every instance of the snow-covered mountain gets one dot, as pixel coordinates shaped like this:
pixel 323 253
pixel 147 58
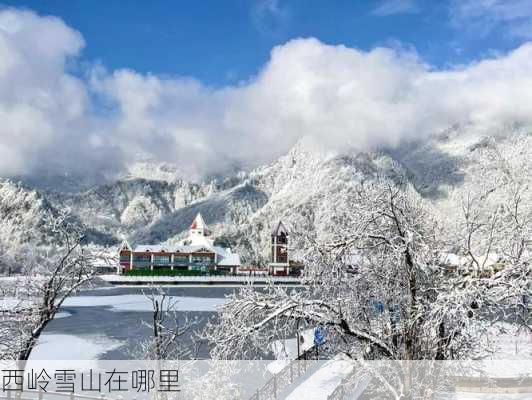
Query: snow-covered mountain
pixel 152 203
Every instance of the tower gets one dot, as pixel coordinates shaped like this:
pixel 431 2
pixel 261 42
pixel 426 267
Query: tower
pixel 198 234
pixel 199 227
pixel 279 262
pixel 125 253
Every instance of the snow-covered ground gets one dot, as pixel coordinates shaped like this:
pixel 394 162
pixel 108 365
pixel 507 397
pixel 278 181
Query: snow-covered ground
pixel 113 278
pixel 286 350
pixel 139 302
pixel 70 347
pixel 488 396
pixel 512 358
pixel 514 343
pixel 132 302
pixel 323 382
pixel 62 314
pixel 9 303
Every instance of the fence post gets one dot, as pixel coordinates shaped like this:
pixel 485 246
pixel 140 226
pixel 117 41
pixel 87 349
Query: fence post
pixel 291 372
pixel 342 391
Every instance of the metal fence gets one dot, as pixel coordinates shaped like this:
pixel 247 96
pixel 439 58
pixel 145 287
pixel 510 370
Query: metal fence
pixel 348 385
pixel 286 377
pixel 42 395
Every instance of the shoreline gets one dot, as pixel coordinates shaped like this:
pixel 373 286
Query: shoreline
pixel 232 281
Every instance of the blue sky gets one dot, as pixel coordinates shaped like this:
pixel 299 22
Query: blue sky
pixel 213 86
pixel 224 42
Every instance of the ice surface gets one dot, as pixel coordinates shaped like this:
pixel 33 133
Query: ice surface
pixel 139 302
pixel 84 349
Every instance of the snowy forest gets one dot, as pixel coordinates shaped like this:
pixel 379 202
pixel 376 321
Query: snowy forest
pixel 280 200
pixel 393 269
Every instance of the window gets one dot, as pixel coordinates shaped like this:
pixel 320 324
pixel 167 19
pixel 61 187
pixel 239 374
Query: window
pixel 181 260
pixel 161 260
pixel 141 261
pixel 124 258
pixel 201 260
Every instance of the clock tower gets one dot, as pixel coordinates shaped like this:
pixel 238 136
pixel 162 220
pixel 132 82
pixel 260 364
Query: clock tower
pixel 279 262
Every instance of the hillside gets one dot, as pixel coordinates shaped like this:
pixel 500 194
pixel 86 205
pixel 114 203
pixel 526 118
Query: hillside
pixel 301 188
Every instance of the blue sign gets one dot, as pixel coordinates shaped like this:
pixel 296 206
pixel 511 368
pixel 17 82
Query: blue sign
pixel 378 306
pixel 319 337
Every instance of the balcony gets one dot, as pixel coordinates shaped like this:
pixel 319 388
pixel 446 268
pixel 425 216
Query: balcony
pixel 141 264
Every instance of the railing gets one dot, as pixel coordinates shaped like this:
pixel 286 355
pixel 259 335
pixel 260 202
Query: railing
pixel 41 395
pixel 286 377
pixel 347 385
pixel 50 395
pixel 141 264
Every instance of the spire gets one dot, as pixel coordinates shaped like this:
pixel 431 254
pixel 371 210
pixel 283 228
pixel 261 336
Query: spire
pixel 199 226
pixel 279 228
pixel 125 246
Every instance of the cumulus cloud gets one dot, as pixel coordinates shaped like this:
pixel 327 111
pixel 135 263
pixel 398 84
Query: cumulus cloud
pixel 341 98
pixel 43 108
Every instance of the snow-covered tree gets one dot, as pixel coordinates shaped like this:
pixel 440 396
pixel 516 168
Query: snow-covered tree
pixel 378 288
pixel 164 342
pixel 495 229
pixel 48 276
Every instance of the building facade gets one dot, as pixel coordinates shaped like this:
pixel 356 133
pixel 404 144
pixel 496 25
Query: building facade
pixel 195 253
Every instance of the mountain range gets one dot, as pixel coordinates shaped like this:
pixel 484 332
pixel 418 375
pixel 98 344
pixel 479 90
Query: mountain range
pixel 152 203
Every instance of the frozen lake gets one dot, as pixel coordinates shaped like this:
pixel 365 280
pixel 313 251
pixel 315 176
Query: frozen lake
pixel 107 323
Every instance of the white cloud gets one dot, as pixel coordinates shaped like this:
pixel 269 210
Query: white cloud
pixel 483 16
pixel 340 97
pixel 43 109
pixel 392 7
